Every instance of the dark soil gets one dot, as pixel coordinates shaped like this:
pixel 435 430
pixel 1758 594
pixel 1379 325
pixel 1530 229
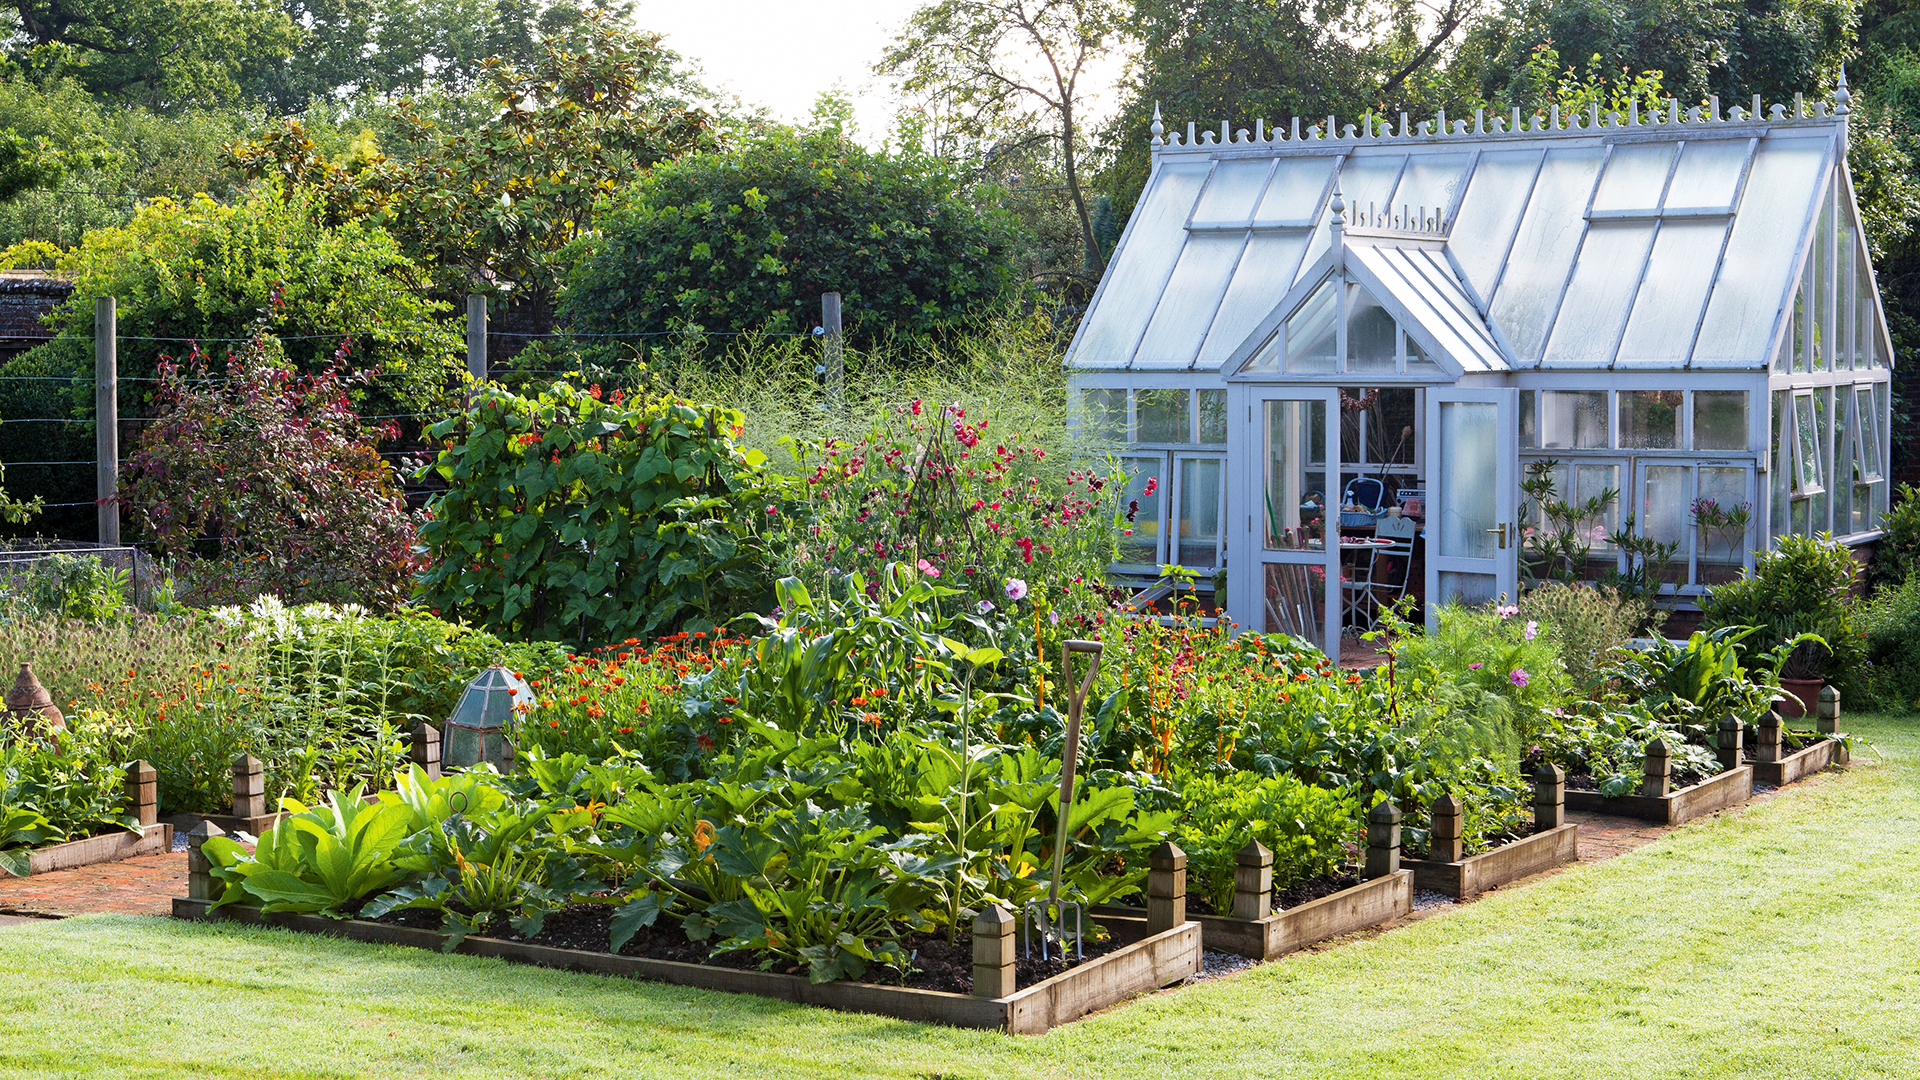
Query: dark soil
pixel 936 964
pixel 1584 781
pixel 1313 889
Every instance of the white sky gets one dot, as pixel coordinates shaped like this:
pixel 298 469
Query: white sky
pixel 783 53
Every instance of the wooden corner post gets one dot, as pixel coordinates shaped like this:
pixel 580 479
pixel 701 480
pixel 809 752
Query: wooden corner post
pixel 1767 736
pixel 1253 882
pixel 249 787
pixel 142 802
pixel 1731 732
pixel 993 975
pixel 1549 798
pixel 1828 720
pixel 1383 840
pixel 201 884
pixel 1446 837
pixel 425 750
pixel 1166 888
pixel 1656 773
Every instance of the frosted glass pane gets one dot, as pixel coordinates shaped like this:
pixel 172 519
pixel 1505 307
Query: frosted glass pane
pixel 1719 419
pixel 1140 539
pixel 1232 191
pixel 1722 550
pixel 1294 192
pixel 1430 181
pixel 1213 416
pixel 1199 523
pixel 1372 335
pixel 1574 420
pixel 1588 325
pixel 1635 178
pixel 1761 254
pixel 1296 509
pixel 1781 472
pixel 1596 482
pixel 1806 444
pixel 1155 238
pixel 1261 280
pixel 1267 358
pixel 1821 257
pixel 1161 416
pixel 1664 507
pixel 1469 589
pixel 1544 248
pixel 1869 433
pixel 1709 171
pixel 1363 181
pixel 1667 308
pixel 1457 333
pixel 1103 416
pixel 1650 419
pixel 1846 265
pixel 1529 421
pixel 1823 437
pixel 1469 505
pixel 1866 314
pixel 1187 306
pixel 1797 325
pixel 1496 195
pixel 1312 337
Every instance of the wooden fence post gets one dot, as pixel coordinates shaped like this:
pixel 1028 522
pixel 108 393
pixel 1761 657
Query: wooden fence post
pixel 1549 798
pixel 106 417
pixel 249 787
pixel 1383 840
pixel 1166 888
pixel 1445 837
pixel 1657 773
pixel 1767 735
pixel 993 975
pixel 426 749
pixel 1828 722
pixel 1730 739
pixel 1253 882
pixel 142 802
pixel 201 884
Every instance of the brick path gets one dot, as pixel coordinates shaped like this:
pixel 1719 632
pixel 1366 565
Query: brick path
pixel 142 886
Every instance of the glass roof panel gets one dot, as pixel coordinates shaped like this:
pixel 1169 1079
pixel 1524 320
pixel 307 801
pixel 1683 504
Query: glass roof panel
pixel 1590 317
pixel 1312 336
pixel 1267 359
pixel 1154 240
pixel 1678 276
pixel 1441 319
pixel 1636 176
pixel 1191 297
pixel 1709 171
pixel 1294 192
pixel 1763 252
pixel 1363 181
pixel 1232 190
pixel 1544 248
pixel 1262 279
pixel 1496 195
pixel 1430 181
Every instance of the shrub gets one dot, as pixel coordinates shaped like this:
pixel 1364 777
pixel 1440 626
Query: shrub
pixel 748 239
pixel 74 586
pixel 1898 552
pixel 269 477
pixel 1890 626
pixel 571 516
pixel 1585 624
pixel 1804 585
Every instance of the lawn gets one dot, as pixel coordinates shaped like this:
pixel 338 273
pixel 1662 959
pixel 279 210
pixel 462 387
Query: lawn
pixel 1776 940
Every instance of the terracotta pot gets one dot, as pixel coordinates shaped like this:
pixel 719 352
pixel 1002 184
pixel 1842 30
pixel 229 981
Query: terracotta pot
pixel 1802 697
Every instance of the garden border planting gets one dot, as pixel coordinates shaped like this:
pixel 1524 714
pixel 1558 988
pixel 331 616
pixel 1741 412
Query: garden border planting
pixel 153 838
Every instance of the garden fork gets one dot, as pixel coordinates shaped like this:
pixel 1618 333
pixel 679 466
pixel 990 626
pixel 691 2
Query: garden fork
pixel 1052 917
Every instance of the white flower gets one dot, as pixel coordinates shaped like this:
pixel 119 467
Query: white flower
pixel 1533 629
pixel 983 606
pixel 1016 589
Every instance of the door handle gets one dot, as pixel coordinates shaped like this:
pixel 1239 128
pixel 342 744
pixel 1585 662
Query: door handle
pixel 1502 530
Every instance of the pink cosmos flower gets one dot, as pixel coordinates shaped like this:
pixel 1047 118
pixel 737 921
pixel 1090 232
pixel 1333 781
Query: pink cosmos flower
pixel 1533 629
pixel 1518 676
pixel 1473 667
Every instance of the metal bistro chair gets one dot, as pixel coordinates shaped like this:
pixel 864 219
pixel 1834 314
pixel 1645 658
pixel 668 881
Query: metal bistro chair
pixel 1385 587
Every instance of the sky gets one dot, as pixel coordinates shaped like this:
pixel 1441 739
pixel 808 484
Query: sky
pixel 782 54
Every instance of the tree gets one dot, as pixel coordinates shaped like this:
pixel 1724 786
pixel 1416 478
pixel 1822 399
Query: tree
pixel 1011 67
pixel 269 479
pixel 748 239
pixel 164 54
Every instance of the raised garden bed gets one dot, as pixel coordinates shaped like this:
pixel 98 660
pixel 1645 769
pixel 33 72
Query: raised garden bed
pixel 1507 863
pixel 1824 750
pixel 1730 788
pixel 1291 929
pixel 1142 966
pixel 105 848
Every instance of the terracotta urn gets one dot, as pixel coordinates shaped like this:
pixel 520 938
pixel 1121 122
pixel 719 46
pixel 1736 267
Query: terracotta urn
pixel 31 706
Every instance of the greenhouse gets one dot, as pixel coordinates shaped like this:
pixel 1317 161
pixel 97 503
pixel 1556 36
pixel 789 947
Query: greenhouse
pixel 1332 357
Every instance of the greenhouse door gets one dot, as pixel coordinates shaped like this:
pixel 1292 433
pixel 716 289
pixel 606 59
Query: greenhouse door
pixel 1473 504
pixel 1295 588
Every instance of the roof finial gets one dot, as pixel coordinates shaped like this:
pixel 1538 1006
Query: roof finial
pixel 1158 129
pixel 1336 226
pixel 1842 97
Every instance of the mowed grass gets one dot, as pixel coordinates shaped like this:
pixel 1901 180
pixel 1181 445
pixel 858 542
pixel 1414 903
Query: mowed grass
pixel 1774 941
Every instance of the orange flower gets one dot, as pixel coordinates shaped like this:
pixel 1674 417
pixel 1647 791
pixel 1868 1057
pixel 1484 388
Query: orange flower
pixel 1353 680
pixel 872 718
pixel 1303 677
pixel 702 835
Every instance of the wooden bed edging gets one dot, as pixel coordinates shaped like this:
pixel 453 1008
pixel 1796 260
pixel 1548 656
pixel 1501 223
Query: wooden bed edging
pixel 1504 864
pixel 1141 967
pixel 105 848
pixel 1802 763
pixel 1730 788
pixel 1292 929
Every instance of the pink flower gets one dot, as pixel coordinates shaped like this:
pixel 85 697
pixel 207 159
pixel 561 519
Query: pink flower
pixel 916 406
pixel 1016 589
pixel 771 510
pixel 1533 629
pixel 929 569
pixel 1518 676
pixel 983 606
pixel 1504 610
pixel 1473 667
